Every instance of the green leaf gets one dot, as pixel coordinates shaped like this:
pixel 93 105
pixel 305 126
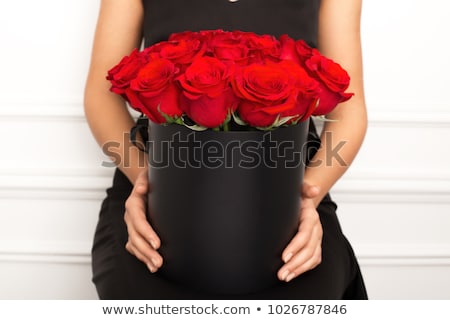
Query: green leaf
pixel 170 119
pixel 324 119
pixel 264 128
pixel 277 123
pixel 238 120
pixel 194 127
pixel 179 121
pixel 224 125
pixel 271 127
pixel 281 121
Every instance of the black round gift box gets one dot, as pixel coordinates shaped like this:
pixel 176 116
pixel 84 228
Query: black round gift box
pixel 225 204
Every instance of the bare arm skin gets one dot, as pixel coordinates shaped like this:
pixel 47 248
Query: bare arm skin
pixel 118 32
pixel 339 39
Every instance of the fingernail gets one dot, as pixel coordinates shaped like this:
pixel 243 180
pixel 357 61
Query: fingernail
pixel 155 262
pixel 151 268
pixel 284 275
pixel 153 243
pixel 290 277
pixel 287 257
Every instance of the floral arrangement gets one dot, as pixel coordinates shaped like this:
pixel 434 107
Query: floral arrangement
pixel 213 78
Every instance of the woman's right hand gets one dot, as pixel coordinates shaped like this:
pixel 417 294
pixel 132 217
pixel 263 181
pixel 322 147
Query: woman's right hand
pixel 143 242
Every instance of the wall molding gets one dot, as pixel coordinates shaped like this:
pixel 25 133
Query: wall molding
pixel 395 188
pixel 72 110
pixel 46 252
pixel 50 187
pixel 403 255
pixel 413 118
pixel 388 255
pixel 91 184
pixel 83 259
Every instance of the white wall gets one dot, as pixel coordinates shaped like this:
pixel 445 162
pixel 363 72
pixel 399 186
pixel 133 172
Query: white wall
pixel 394 203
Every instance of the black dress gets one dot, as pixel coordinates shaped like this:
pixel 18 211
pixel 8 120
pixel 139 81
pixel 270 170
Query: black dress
pixel 119 275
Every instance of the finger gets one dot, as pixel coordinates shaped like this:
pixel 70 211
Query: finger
pixel 142 248
pixel 297 243
pixel 131 249
pixel 308 221
pixel 141 184
pixel 137 223
pixel 300 248
pixel 143 239
pixel 145 230
pixel 303 245
pixel 309 191
pixel 136 209
pixel 151 259
pixel 305 259
pixel 307 253
pixel 303 265
pixel 309 264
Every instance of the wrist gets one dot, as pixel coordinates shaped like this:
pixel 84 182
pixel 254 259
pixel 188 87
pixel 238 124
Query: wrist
pixel 132 173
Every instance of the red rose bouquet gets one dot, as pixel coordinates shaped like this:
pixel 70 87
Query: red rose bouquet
pixel 225 204
pixel 208 79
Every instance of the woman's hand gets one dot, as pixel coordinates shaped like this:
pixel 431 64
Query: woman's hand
pixel 304 252
pixel 143 242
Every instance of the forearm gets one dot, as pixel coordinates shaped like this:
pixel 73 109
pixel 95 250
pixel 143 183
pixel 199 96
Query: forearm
pixel 110 123
pixel 340 143
pixel 117 33
pixel 339 39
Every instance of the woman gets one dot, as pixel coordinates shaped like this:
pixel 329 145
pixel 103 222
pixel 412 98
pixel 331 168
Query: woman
pixel 319 262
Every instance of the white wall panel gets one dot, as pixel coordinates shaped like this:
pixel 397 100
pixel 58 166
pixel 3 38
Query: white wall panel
pixel 45 49
pixel 46 280
pixel 405 54
pixel 400 281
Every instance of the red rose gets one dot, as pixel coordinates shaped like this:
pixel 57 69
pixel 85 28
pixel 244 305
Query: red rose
pixel 287 49
pixel 267 91
pixel 156 92
pixel 207 97
pixel 126 70
pixel 304 51
pixel 333 80
pixel 228 46
pixel 261 47
pixel 308 91
pixel 295 50
pixel 185 35
pixel 181 52
pixel 208 74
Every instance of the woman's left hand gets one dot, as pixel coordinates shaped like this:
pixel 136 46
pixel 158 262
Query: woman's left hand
pixel 304 252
